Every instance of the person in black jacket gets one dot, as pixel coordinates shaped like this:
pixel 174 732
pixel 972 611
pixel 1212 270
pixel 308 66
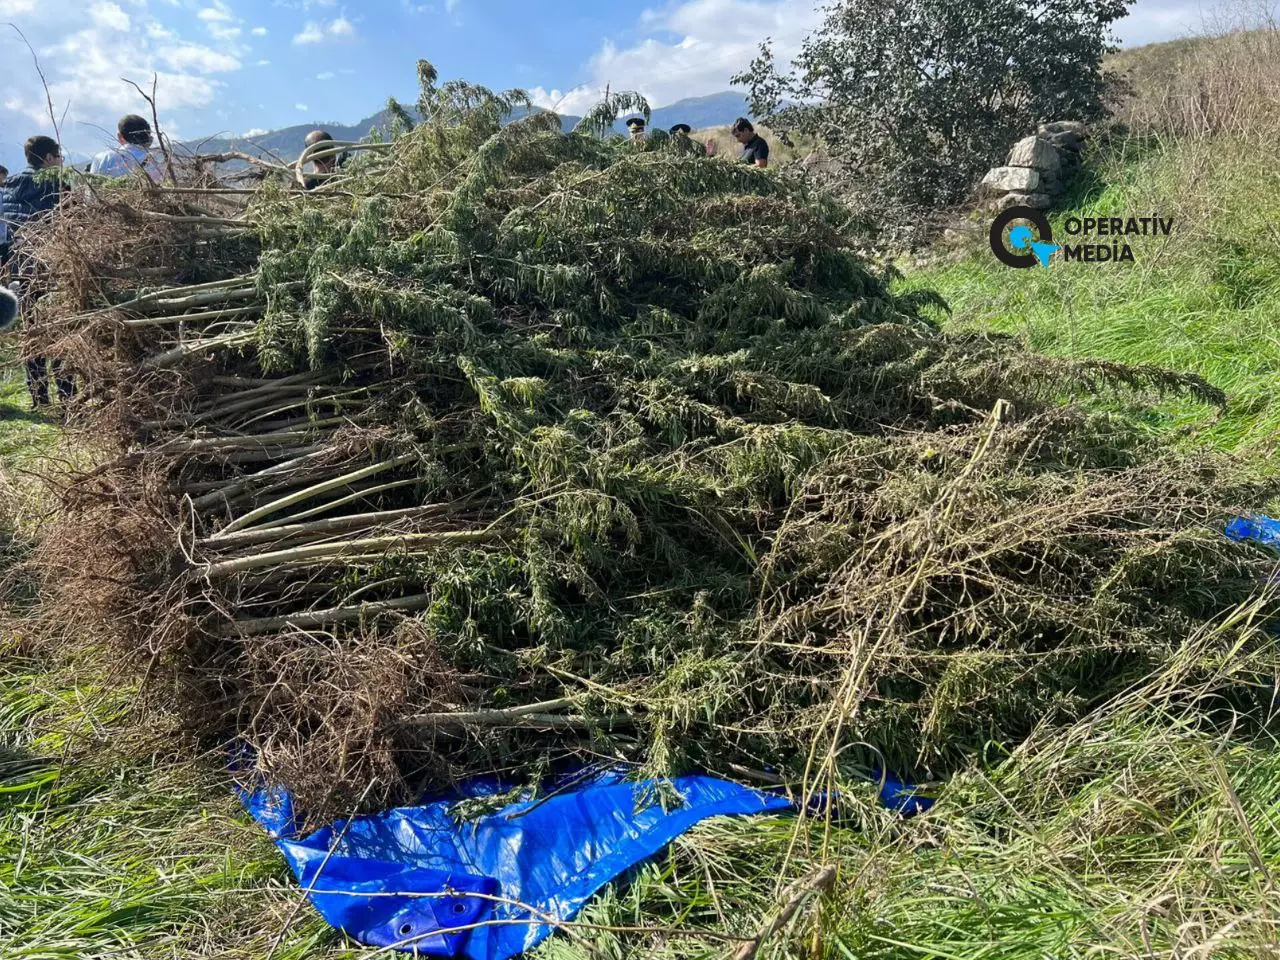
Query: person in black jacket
pixel 30 194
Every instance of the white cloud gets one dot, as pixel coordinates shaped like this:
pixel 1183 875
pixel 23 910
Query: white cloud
pixel 255 132
pixel 313 32
pixel 219 12
pixel 263 63
pixel 301 106
pixel 259 31
pixel 199 59
pixel 342 27
pixel 450 5
pixel 110 16
pixel 688 49
pixel 327 75
pixel 83 56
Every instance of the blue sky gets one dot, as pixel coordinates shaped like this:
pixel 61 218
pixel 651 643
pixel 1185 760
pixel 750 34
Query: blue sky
pixel 235 66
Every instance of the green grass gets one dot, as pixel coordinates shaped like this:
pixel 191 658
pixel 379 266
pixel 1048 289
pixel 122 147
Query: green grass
pixel 1205 300
pixel 140 854
pixel 108 849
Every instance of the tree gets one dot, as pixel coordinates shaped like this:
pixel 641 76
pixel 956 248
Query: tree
pixel 914 99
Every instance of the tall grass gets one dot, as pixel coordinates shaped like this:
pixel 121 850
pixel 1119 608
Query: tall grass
pixel 1200 148
pixel 1203 301
pixel 126 855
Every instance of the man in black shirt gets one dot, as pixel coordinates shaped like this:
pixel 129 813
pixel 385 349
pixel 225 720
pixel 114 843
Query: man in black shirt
pixel 755 150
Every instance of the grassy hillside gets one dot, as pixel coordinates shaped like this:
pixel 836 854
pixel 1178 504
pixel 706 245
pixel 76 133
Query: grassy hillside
pixel 1206 298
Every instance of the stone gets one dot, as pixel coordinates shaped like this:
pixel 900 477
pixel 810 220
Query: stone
pixel 1036 201
pixel 1064 126
pixel 1036 153
pixel 1005 179
pixel 1071 142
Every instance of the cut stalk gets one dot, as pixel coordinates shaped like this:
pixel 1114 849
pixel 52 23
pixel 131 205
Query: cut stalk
pixel 191 317
pixel 531 716
pixel 311 492
pixel 318 618
pixel 348 549
pixel 343 501
pixel 246 538
pixel 211 444
pixel 240 486
pixel 267 456
pixel 212 345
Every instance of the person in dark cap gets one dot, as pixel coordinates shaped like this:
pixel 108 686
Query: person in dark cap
pixel 635 126
pixel 680 134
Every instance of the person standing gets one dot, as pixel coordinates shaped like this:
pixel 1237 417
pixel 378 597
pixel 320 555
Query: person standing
pixel 4 229
pixel 635 127
pixel 680 130
pixel 755 149
pixel 133 155
pixel 322 167
pixel 31 194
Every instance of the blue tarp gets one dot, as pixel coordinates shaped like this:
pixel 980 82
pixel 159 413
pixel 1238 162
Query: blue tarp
pixel 1259 529
pixel 404 877
pixel 483 889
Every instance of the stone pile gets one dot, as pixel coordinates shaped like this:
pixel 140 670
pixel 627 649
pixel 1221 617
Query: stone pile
pixel 1039 168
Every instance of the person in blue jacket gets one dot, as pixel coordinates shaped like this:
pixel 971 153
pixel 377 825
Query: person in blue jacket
pixel 25 196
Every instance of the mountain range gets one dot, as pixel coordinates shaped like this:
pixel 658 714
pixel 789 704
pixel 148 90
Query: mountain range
pixel 713 110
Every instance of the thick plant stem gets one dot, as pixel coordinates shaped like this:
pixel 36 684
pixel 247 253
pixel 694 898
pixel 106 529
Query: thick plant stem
pixel 350 550
pixel 213 444
pixel 318 618
pixel 240 486
pixel 532 715
pixel 260 536
pixel 355 495
pixel 212 345
pixel 192 317
pixel 311 492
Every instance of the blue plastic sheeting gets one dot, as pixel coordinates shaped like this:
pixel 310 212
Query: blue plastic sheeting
pixel 1259 529
pixel 902 797
pixel 417 878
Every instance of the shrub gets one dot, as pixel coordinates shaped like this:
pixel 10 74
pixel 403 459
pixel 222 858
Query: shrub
pixel 916 98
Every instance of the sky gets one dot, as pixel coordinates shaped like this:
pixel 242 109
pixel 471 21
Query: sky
pixel 243 66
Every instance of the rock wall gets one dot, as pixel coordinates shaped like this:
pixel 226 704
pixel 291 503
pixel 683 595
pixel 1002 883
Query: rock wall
pixel 1039 168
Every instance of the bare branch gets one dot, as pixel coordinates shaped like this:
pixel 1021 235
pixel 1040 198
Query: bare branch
pixel 57 130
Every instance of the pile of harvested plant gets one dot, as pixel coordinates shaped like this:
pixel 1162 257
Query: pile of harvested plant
pixel 508 447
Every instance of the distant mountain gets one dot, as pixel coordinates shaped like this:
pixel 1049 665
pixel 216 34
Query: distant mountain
pixel 286 144
pixel 715 110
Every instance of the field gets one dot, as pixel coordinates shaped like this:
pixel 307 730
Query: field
pixel 1136 833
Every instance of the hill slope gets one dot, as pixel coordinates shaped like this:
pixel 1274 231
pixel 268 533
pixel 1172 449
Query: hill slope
pixel 286 143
